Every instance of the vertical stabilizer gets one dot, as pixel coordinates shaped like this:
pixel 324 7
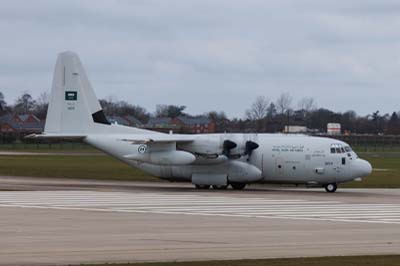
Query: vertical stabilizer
pixel 73 106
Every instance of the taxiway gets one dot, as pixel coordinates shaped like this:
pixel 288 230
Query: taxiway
pixel 60 221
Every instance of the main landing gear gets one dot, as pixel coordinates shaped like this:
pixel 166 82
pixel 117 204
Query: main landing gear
pixel 202 186
pixel 331 187
pixel 238 186
pixel 235 186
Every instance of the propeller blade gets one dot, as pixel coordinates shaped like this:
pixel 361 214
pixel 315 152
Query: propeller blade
pixel 250 147
pixel 227 147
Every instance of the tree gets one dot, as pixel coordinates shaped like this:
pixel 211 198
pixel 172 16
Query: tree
pixel 379 122
pixel 258 109
pixel 172 111
pixel 220 120
pixel 284 102
pixel 112 106
pixel 349 121
pixel 271 111
pixel 2 103
pixel 393 126
pixel 24 104
pixel 307 104
pixel 42 103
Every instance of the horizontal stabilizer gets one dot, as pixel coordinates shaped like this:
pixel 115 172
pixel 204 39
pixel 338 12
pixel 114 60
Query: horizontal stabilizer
pixel 56 136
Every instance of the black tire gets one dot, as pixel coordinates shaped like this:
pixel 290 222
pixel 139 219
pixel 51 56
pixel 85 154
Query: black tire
pixel 220 187
pixel 238 186
pixel 330 188
pixel 202 186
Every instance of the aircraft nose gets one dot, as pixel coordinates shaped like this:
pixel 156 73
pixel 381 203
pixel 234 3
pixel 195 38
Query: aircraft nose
pixel 362 168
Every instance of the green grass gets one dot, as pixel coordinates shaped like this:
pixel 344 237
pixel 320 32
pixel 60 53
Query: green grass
pixel 386 173
pixel 105 167
pixel 92 167
pixel 393 260
pixel 56 147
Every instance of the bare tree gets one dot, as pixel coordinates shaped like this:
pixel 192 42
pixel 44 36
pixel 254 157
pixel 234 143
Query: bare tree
pixel 220 119
pixel 172 111
pixel 2 102
pixel 24 104
pixel 307 104
pixel 42 103
pixel 112 106
pixel 284 102
pixel 258 109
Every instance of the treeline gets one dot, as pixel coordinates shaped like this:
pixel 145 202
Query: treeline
pixel 264 115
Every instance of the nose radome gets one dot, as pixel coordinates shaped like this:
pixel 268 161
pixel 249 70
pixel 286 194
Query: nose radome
pixel 363 168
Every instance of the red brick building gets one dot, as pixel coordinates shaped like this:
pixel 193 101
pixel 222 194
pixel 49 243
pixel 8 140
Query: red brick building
pixel 21 124
pixel 182 124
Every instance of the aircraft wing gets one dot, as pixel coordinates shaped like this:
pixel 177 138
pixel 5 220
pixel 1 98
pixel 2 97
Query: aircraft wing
pixel 135 139
pixel 157 139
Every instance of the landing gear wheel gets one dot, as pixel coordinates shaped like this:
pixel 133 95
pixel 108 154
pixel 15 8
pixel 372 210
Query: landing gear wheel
pixel 220 187
pixel 331 187
pixel 202 186
pixel 238 186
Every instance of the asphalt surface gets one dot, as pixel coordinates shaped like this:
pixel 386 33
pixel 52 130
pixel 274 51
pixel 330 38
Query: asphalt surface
pixel 60 221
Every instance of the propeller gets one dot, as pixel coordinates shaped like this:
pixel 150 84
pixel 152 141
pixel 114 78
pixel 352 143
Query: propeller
pixel 227 146
pixel 249 148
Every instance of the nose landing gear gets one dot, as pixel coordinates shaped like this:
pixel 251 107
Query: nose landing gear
pixel 331 187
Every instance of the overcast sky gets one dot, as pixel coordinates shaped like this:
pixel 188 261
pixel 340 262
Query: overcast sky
pixel 210 55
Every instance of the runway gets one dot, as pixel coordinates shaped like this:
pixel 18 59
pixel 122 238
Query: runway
pixel 100 221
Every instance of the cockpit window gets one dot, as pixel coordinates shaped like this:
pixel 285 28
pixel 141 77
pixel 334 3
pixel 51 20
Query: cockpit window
pixel 339 148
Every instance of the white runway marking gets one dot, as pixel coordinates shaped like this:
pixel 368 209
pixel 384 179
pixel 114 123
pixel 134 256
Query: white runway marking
pixel 202 204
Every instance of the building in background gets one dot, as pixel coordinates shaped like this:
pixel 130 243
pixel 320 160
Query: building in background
pixel 181 124
pixel 162 124
pixel 195 125
pixel 334 129
pixel 295 129
pixel 21 124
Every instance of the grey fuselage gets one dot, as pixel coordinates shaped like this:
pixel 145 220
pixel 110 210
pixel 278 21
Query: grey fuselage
pixel 295 159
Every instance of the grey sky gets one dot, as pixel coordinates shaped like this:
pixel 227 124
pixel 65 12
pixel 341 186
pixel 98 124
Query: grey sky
pixel 210 55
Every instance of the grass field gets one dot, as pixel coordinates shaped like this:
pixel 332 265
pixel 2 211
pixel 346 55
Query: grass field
pixel 55 147
pixel 325 261
pixel 385 175
pixel 92 167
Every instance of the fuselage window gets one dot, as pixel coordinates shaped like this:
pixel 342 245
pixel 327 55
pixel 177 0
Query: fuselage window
pixel 344 160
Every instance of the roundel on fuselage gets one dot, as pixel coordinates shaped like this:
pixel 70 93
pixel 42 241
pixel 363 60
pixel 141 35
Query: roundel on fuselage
pixel 142 148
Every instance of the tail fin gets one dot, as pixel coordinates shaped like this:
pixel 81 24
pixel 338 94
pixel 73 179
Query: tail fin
pixel 73 107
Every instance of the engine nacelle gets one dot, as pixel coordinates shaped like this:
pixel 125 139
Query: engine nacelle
pixel 242 172
pixel 229 145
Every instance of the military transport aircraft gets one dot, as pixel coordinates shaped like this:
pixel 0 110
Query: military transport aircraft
pixel 217 160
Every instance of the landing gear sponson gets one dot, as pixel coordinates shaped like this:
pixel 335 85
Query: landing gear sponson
pixel 235 186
